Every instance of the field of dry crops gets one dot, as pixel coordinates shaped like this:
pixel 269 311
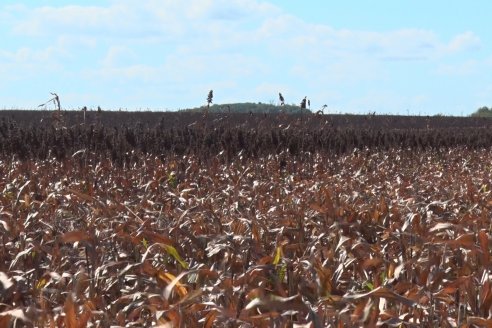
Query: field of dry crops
pixel 391 238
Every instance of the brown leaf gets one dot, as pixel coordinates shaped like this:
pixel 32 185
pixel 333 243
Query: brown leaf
pixel 210 319
pixel 7 316
pixel 74 236
pixel 481 322
pixel 172 281
pixel 486 297
pixel 359 310
pixel 465 241
pixel 70 313
pixel 207 273
pixel 341 241
pixel 483 239
pixel 372 263
pixel 5 225
pixel 153 237
pixel 317 207
pixel 441 226
pixel 82 196
pixel 383 292
pixel 276 303
pixel 5 281
pixel 86 314
pixel 5 320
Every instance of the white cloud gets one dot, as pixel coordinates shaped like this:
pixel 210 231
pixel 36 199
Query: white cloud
pixel 124 74
pixel 217 24
pixel 464 41
pixel 118 55
pixel 116 21
pixel 139 19
pixel 228 10
pixel 406 44
pixel 195 44
pixel 467 67
pixel 25 59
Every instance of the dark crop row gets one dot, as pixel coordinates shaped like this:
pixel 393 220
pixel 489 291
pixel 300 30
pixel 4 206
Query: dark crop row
pixel 127 142
pixel 26 118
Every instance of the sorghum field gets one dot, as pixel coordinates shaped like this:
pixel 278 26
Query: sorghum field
pixel 178 220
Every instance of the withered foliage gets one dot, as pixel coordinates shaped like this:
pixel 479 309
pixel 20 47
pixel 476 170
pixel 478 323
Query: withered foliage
pixel 391 238
pixel 246 221
pixel 123 137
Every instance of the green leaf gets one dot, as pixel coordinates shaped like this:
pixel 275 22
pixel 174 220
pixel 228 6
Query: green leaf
pixel 278 255
pixel 172 180
pixel 282 270
pixel 42 282
pixel 174 253
pixel 368 285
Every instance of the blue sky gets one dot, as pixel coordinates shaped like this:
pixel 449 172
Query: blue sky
pixel 394 57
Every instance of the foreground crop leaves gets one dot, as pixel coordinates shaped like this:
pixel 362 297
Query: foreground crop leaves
pixel 174 253
pixel 480 322
pixel 278 304
pixel 383 293
pixel 74 236
pixel 70 313
pixel 483 239
pixel 370 238
pixel 7 317
pixel 169 249
pixel 5 282
pixel 172 282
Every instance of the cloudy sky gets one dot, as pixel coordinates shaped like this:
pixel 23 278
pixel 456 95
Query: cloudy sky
pixel 400 57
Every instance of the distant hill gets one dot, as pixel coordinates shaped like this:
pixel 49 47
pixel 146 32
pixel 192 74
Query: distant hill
pixel 249 108
pixel 483 112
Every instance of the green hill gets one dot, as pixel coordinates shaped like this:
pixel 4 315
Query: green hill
pixel 483 112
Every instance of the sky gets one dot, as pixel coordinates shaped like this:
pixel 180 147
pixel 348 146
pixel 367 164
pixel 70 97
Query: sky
pixel 386 56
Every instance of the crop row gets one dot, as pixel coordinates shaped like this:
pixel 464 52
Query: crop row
pixel 122 144
pixel 43 118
